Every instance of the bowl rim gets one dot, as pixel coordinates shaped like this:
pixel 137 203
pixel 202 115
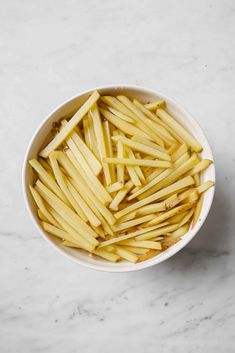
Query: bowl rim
pixel 155 260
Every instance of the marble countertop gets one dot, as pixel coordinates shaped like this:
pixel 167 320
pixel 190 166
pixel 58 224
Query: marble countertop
pixel 51 50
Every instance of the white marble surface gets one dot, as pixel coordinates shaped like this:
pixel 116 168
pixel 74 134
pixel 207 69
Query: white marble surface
pixel 51 50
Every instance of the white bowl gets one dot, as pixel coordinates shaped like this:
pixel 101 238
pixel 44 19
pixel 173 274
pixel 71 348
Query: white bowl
pixel 67 109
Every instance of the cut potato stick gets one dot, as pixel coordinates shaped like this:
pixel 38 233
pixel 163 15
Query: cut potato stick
pixel 61 182
pixel 69 215
pixel 61 136
pixel 127 217
pixel 202 165
pixel 197 212
pixel 187 217
pixel 147 244
pixel 99 133
pixel 157 232
pixel 109 147
pixel 179 152
pixel 173 176
pixel 62 234
pixel 138 162
pixel 89 214
pixel 163 133
pixel 172 149
pixel 180 231
pixel 73 172
pixel 80 163
pixel 126 254
pixel 121 195
pixel 204 187
pixel 83 243
pixel 121 115
pixel 170 130
pixel 42 207
pixel 138 170
pixel 168 214
pixel 127 236
pixel 135 250
pixel 155 105
pixel 115 186
pixel 150 254
pixel 89 156
pixel 45 164
pixel 142 148
pixel 120 168
pixel 184 134
pixel 196 177
pixel 149 209
pixel 116 104
pixel 122 125
pixel 145 141
pixel 181 160
pixel 48 179
pixel 86 132
pixel 121 226
pixel 141 120
pixel 91 134
pixel 41 216
pixel 180 184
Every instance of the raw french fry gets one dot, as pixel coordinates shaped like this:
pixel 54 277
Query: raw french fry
pixel 91 134
pixel 151 253
pixel 109 147
pixel 61 182
pixel 138 170
pixel 172 148
pixel 62 234
pixel 202 165
pixel 116 104
pixel 140 120
pixel 139 162
pixel 47 179
pixel 120 168
pixel 137 251
pixel 115 186
pixel 84 243
pixel 120 115
pixel 196 177
pixel 155 105
pixel 170 178
pixel 127 236
pixel 84 188
pixel 99 133
pixel 122 125
pixel 132 173
pixel 86 132
pixel 127 217
pixel 149 209
pixel 45 164
pixel 121 226
pixel 163 133
pixel 204 187
pixel 168 242
pixel 80 163
pixel 180 184
pixel 197 212
pixel 155 233
pixel 184 134
pixel 40 203
pixel 142 148
pixel 41 216
pixel 179 152
pixel 89 156
pixel 180 231
pixel 142 244
pixel 168 214
pixel 187 217
pixel 126 254
pixel 121 195
pixel 66 212
pixel 61 136
pixel 145 141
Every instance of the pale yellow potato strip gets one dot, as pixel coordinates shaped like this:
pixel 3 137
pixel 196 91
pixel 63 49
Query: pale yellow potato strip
pixel 180 231
pixel 179 152
pixel 41 216
pixel 42 207
pixel 122 125
pixel 127 217
pixel 202 165
pixel 131 155
pixel 121 195
pixel 48 179
pixel 197 212
pixel 144 141
pixel 99 133
pixel 120 168
pixel 147 244
pixel 115 186
pixel 153 208
pixel 121 115
pixel 86 132
pixel 157 232
pixel 127 236
pixel 66 212
pixel 187 217
pixel 116 104
pixel 62 234
pixel 61 136
pixel 92 137
pixel 184 134
pixel 155 105
pixel 142 148
pixel 126 254
pixel 137 251
pixel 109 147
pixel 168 214
pixel 204 187
pixel 138 162
pixel 121 226
pixel 180 184
pixel 182 159
pixel 61 182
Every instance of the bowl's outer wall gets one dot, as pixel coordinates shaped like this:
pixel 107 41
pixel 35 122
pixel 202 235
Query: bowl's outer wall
pixel 66 110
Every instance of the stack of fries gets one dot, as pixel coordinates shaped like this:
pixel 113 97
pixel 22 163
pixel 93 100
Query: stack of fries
pixel 120 179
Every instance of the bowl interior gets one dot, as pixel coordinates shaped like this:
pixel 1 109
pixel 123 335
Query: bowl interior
pixel 66 110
